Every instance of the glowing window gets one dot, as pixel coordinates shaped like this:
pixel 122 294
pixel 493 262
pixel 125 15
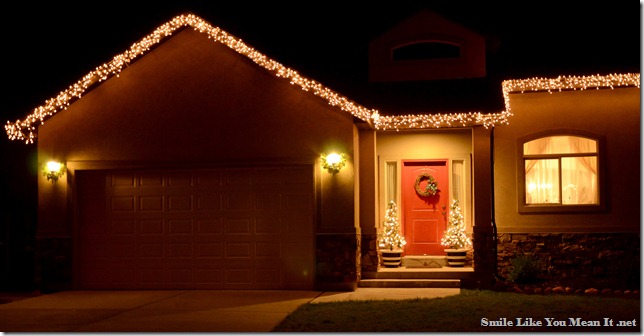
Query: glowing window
pixel 560 170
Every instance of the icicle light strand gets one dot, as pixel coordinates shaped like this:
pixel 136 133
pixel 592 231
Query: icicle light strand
pixel 26 129
pixel 562 83
pixel 550 85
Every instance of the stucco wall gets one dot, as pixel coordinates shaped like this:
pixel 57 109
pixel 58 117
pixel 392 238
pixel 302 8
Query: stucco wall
pixel 611 114
pixel 425 144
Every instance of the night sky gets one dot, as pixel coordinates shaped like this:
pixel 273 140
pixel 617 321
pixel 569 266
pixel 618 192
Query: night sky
pixel 47 47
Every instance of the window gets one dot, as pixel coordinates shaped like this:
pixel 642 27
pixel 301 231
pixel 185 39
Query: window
pixel 559 172
pixel 426 51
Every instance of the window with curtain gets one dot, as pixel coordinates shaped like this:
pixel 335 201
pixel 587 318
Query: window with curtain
pixel 561 170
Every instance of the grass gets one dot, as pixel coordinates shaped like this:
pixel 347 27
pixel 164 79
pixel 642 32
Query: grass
pixel 467 312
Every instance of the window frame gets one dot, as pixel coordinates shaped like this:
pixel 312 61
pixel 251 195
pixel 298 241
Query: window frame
pixel 427 50
pixel 559 207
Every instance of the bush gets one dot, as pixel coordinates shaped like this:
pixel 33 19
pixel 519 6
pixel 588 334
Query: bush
pixel 525 269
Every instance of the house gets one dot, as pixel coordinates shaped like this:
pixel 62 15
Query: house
pixel 194 161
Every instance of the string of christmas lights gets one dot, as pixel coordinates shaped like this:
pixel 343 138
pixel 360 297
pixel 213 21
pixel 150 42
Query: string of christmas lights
pixel 26 129
pixel 561 83
pixel 391 237
pixel 487 120
pixel 440 120
pixel 455 236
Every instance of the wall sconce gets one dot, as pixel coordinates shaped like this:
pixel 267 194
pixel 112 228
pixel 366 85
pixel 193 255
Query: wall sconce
pixel 333 162
pixel 53 170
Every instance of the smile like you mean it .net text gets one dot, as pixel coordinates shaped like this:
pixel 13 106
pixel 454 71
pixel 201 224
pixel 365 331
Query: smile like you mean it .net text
pixel 552 322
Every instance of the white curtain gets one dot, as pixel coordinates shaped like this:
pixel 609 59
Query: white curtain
pixel 579 174
pixel 390 183
pixel 458 180
pixel 542 181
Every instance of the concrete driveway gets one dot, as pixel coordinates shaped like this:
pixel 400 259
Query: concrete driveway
pixel 178 310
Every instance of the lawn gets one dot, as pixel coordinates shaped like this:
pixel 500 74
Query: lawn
pixel 470 311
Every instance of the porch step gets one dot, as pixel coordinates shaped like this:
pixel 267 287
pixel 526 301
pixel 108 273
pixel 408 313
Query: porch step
pixel 414 277
pixel 424 261
pixel 410 283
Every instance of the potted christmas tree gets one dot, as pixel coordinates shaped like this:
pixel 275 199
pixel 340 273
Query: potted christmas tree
pixel 391 240
pixel 455 238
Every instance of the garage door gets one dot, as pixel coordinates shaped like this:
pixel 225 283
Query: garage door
pixel 233 228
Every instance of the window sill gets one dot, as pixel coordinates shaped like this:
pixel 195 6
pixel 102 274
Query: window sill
pixel 558 208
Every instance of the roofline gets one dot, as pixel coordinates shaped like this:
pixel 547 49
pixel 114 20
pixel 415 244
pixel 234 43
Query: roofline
pixel 26 129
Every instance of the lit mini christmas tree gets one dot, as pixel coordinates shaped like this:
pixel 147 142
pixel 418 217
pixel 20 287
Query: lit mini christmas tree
pixel 455 236
pixel 391 237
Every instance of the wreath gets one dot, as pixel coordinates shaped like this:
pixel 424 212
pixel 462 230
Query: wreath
pixel 431 188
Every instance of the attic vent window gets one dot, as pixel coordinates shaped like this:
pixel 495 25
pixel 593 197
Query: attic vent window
pixel 419 51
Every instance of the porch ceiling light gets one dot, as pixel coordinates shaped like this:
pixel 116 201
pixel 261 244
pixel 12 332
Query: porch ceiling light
pixel 334 162
pixel 53 170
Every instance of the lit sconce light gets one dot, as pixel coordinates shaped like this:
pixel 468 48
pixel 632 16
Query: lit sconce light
pixel 333 162
pixel 53 170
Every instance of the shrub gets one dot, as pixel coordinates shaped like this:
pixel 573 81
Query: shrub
pixel 525 269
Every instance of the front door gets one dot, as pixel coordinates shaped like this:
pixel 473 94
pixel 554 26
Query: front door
pixel 424 212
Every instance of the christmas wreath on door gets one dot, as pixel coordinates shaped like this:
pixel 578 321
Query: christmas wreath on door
pixel 430 189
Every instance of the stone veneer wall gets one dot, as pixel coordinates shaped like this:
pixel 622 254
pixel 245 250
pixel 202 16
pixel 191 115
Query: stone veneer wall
pixel 338 261
pixel 590 258
pixel 370 258
pixel 483 260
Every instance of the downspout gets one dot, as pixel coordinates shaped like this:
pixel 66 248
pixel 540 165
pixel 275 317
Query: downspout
pixel 493 213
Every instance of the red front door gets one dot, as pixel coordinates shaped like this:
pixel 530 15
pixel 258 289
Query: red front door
pixel 424 218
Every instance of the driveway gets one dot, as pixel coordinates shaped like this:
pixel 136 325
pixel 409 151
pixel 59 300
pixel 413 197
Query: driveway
pixel 177 310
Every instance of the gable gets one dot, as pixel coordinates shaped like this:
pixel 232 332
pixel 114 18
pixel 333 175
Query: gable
pixel 25 129
pixel 426 47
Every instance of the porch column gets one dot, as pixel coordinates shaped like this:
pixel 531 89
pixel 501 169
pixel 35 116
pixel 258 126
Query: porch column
pixel 368 200
pixel 484 240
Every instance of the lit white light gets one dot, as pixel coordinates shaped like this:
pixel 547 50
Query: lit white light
pixel 333 159
pixel 53 166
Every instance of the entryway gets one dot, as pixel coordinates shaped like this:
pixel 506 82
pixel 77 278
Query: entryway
pixel 425 196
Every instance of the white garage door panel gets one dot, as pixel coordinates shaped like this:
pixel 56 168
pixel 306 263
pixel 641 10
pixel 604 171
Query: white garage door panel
pixel 246 228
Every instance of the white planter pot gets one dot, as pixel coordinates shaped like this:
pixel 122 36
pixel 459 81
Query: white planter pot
pixel 456 257
pixel 391 258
